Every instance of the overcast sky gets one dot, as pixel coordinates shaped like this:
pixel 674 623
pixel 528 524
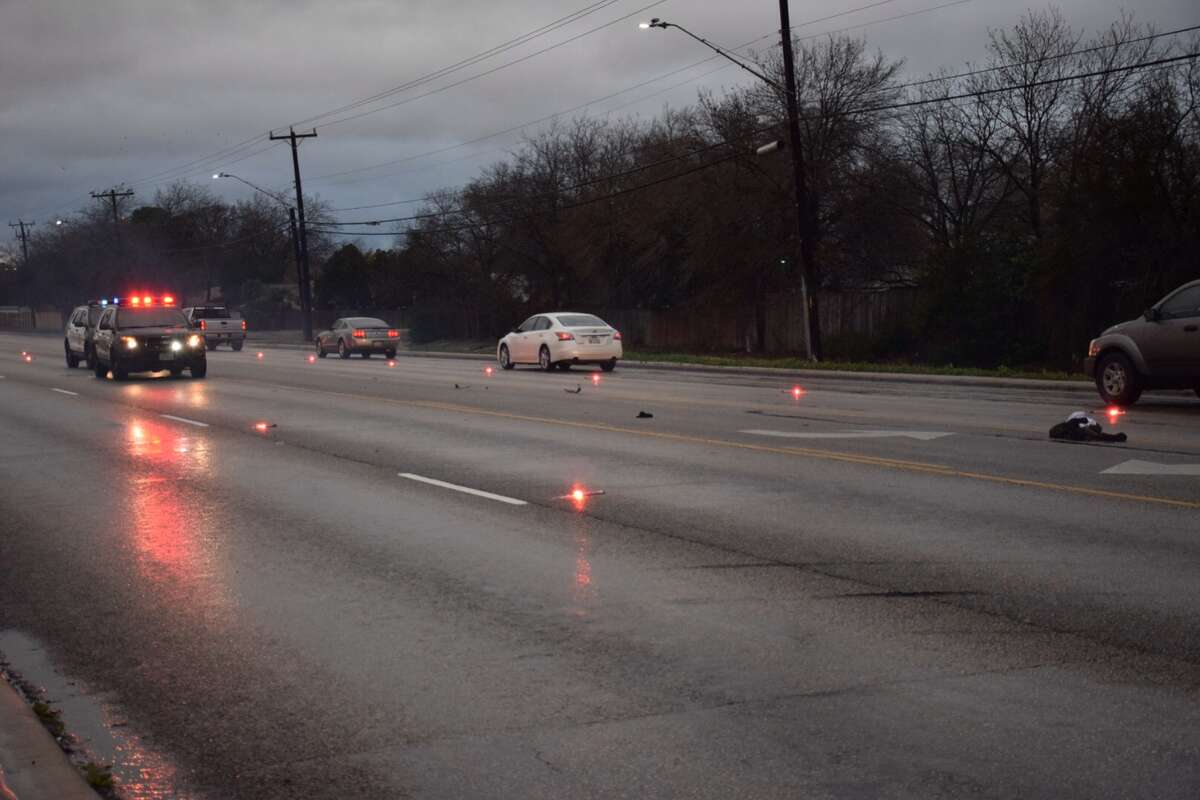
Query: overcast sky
pixel 93 94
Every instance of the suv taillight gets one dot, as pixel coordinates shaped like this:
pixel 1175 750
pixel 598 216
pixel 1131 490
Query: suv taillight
pixel 203 325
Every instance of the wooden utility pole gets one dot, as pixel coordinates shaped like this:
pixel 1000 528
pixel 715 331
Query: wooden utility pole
pixel 23 235
pixel 305 279
pixel 112 195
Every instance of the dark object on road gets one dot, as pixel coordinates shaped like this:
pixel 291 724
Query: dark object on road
pixel 578 388
pixel 465 386
pixel 645 415
pixel 1079 427
pixel 1159 350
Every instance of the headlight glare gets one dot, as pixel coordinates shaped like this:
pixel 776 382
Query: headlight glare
pixel 176 345
pixel 194 341
pixel 130 342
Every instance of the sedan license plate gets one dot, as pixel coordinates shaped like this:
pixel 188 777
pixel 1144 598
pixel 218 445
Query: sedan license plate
pixel 595 339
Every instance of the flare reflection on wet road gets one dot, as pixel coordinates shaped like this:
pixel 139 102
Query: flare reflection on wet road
pixel 172 531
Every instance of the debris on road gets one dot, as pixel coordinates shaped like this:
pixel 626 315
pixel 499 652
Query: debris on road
pixel 645 415
pixel 578 388
pixel 1079 427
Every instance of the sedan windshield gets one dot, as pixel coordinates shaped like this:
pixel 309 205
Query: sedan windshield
pixel 581 321
pixel 150 318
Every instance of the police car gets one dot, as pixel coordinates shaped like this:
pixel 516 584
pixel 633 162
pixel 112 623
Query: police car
pixel 81 327
pixel 144 333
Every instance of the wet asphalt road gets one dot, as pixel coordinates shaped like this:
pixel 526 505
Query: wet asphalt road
pixel 789 613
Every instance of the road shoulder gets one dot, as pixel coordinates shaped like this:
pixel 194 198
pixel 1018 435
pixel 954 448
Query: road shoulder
pixel 32 765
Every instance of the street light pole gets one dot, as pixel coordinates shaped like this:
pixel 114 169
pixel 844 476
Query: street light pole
pixel 803 227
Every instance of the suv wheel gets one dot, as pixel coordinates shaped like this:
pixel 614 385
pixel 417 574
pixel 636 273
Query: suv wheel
pixel 200 368
pixel 236 346
pixel 1117 380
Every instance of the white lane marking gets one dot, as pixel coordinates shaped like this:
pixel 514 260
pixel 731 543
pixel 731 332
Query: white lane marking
pixel 924 436
pixel 512 501
pixel 1152 468
pixel 185 419
pixel 64 391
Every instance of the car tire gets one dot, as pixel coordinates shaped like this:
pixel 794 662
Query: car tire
pixel 389 353
pixel 609 366
pixel 237 346
pixel 72 359
pixel 563 365
pixel 366 354
pixel 343 351
pixel 119 374
pixel 1117 380
pixel 199 369
pixel 176 371
pixel 504 358
pixel 544 360
pixel 321 350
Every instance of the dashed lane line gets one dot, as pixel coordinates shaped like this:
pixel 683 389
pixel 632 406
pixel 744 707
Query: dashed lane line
pixel 185 420
pixel 64 391
pixel 512 501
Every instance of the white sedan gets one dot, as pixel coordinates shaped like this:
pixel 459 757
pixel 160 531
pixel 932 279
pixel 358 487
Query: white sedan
pixel 561 339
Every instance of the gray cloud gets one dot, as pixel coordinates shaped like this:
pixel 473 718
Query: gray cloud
pixel 99 93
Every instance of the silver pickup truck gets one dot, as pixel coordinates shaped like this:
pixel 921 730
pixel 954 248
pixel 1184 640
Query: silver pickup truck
pixel 218 325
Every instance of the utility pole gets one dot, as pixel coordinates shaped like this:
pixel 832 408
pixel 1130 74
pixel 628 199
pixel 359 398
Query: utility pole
pixel 305 290
pixel 112 195
pixel 812 329
pixel 23 235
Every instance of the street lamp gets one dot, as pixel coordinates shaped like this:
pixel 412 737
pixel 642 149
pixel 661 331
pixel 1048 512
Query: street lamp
pixel 301 277
pixel 788 90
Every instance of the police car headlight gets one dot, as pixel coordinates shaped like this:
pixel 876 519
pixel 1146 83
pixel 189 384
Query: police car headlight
pixel 176 345
pixel 194 341
pixel 129 342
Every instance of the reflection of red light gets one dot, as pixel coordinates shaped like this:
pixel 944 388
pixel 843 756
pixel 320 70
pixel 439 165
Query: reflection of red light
pixel 28 359
pixel 391 363
pixel 487 370
pixel 596 377
pixel 797 391
pixel 259 355
pixel 312 359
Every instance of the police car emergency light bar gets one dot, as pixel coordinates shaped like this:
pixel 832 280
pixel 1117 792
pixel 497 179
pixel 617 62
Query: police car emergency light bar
pixel 141 301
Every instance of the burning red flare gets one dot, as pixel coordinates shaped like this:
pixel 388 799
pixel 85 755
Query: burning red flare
pixel 312 359
pixel 28 358
pixel 797 392
pixel 487 371
pixel 258 355
pixel 596 377
pixel 261 427
pixel 1114 413
pixel 391 363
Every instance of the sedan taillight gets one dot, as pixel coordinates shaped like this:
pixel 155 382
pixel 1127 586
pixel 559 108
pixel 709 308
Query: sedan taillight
pixel 564 336
pixel 359 333
pixel 393 334
pixel 616 336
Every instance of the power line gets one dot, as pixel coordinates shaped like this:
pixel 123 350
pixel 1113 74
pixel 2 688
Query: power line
pixel 1156 63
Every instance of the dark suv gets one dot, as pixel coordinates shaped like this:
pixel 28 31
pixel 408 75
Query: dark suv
pixel 1159 350
pixel 147 339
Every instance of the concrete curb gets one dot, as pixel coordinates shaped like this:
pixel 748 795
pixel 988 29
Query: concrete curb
pixel 1035 384
pixel 31 762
